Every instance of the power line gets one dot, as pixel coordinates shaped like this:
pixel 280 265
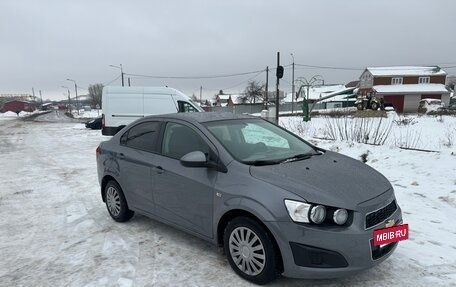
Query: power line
pixel 249 79
pixel 331 67
pixel 110 82
pixel 196 77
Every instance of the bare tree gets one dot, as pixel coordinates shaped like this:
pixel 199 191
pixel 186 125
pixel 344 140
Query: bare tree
pixel 95 92
pixel 254 92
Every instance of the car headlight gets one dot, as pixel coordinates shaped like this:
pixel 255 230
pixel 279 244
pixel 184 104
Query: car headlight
pixel 298 211
pixel 318 214
pixel 340 216
pixel 304 212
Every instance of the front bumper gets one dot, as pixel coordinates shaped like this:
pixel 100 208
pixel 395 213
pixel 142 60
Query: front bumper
pixel 310 251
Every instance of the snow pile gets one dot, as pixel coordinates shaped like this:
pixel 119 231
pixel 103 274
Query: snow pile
pixel 13 115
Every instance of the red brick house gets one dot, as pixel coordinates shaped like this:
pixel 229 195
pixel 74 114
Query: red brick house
pixel 17 106
pixel 404 86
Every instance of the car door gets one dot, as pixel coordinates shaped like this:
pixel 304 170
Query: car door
pixel 137 159
pixel 184 195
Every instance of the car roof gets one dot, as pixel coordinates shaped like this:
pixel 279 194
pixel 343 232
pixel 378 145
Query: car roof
pixel 202 117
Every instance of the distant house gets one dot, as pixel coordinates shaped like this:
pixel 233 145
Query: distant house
pixel 17 106
pixel 404 86
pixel 352 84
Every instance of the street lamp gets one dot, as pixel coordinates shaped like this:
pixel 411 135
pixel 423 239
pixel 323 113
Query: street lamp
pixel 76 91
pixel 305 103
pixel 121 72
pixel 69 101
pixel 292 85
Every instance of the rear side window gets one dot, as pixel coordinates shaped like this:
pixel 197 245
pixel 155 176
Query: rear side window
pixel 143 136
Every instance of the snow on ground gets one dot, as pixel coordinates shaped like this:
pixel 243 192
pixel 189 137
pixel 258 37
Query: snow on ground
pixel 56 231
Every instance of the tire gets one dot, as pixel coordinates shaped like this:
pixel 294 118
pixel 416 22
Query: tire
pixel 374 106
pixel 360 106
pixel 250 251
pixel 116 204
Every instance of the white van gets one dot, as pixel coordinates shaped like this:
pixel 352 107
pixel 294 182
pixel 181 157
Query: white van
pixel 123 105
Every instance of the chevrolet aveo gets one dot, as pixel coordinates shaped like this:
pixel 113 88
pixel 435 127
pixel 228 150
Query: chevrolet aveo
pixel 274 202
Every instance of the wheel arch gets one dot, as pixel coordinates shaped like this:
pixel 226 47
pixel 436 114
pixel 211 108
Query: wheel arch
pixel 233 213
pixel 104 182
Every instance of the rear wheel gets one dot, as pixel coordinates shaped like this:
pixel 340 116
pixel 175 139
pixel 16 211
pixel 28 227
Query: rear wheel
pixel 116 203
pixel 374 106
pixel 360 106
pixel 250 250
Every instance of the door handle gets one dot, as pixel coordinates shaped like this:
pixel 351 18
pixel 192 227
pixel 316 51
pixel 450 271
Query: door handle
pixel 158 169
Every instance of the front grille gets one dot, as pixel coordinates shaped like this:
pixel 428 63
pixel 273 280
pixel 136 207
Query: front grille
pixel 380 215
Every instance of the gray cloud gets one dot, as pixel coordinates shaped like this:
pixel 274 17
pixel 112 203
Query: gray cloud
pixel 45 42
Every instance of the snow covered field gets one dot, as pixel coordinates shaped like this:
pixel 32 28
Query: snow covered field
pixel 56 231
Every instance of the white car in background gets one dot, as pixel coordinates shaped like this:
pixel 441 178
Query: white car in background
pixel 430 105
pixel 124 105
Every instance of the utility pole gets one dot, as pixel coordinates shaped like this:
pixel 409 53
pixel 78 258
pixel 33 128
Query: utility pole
pixel 41 97
pixel 279 75
pixel 121 72
pixel 33 93
pixel 266 88
pixel 69 99
pixel 76 91
pixel 77 100
pixel 201 95
pixel 292 86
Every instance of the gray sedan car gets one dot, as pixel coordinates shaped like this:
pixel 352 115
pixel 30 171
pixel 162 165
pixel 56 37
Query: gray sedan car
pixel 277 204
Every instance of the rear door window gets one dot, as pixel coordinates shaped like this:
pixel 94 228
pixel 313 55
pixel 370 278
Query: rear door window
pixel 142 136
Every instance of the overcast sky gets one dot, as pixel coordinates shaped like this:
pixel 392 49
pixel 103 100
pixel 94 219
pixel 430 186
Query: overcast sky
pixel 45 42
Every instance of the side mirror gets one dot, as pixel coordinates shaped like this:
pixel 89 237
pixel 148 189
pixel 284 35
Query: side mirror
pixel 194 159
pixel 198 159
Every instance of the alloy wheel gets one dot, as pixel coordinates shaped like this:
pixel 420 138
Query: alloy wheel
pixel 247 251
pixel 113 201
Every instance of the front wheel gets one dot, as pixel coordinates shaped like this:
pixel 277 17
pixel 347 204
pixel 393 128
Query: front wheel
pixel 360 106
pixel 116 203
pixel 374 106
pixel 250 250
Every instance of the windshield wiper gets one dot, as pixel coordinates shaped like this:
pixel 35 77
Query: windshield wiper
pixel 295 157
pixel 262 162
pixel 300 156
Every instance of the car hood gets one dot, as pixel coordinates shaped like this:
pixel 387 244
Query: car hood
pixel 331 179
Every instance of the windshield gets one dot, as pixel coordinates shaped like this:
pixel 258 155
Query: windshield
pixel 258 142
